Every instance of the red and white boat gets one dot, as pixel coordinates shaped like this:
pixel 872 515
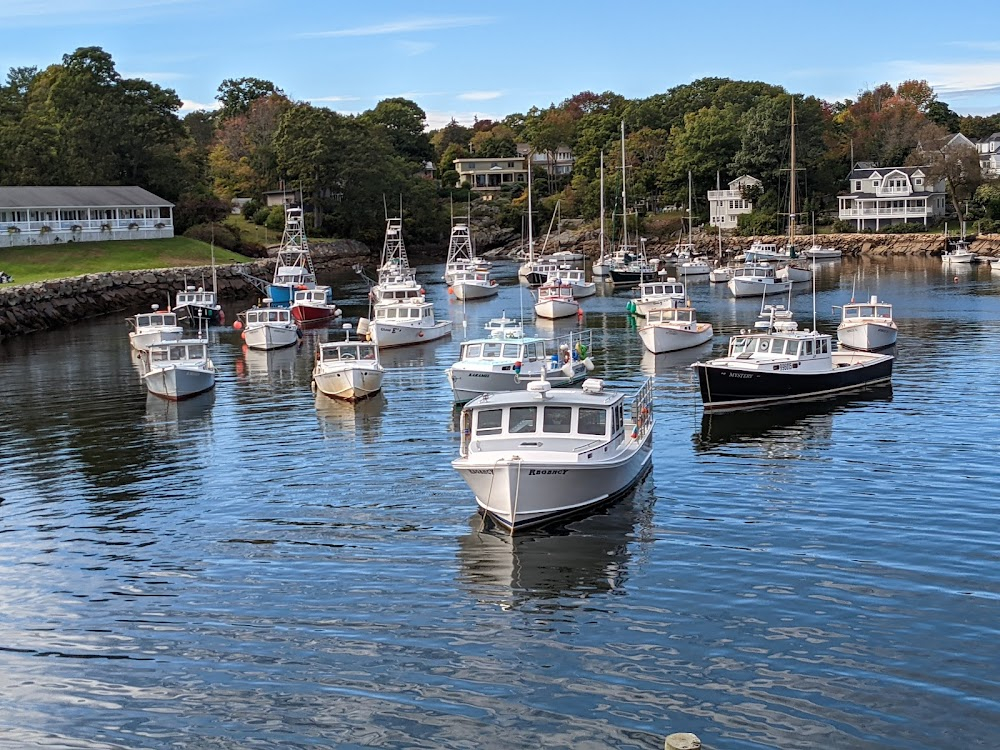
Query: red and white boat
pixel 314 305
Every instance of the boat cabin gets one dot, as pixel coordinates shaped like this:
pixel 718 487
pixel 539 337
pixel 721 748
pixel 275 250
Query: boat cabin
pixel 199 298
pixel 753 271
pixel 526 350
pixel 264 315
pixel 407 293
pixel 155 319
pixel 394 313
pixel 678 315
pixel 555 290
pixel 871 309
pixel 568 275
pixel 350 351
pixel 671 288
pixel 316 296
pixel 482 278
pixel 544 420
pixel 166 353
pixel 292 275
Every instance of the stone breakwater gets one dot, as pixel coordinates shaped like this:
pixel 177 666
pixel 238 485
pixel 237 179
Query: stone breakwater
pixel 50 304
pixel 588 242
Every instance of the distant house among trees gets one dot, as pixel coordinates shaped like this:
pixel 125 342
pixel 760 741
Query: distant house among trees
pixel 282 197
pixel 989 155
pixel 488 175
pixel 881 196
pixel 727 205
pixel 48 215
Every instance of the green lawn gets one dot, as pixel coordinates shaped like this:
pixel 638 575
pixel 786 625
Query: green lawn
pixel 42 262
pixel 253 232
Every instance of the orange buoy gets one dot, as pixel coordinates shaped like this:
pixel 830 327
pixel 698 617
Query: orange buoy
pixel 237 325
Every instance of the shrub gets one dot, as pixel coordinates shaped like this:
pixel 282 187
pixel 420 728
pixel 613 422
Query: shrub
pixel 261 215
pixel 198 208
pixel 250 209
pixel 276 220
pixel 219 233
pixel 903 228
pixel 841 226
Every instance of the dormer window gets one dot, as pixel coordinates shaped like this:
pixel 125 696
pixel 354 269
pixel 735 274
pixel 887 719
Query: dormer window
pixel 918 181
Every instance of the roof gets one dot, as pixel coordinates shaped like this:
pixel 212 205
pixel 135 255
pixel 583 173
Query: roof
pixel 106 196
pixel 555 397
pixel 860 173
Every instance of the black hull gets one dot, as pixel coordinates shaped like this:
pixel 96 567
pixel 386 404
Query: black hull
pixel 730 388
pixel 630 278
pixel 195 314
pixel 536 279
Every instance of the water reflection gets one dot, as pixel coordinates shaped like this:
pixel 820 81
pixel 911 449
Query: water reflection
pixel 574 561
pixel 174 417
pixel 802 422
pixel 339 419
pixel 672 362
pixel 274 366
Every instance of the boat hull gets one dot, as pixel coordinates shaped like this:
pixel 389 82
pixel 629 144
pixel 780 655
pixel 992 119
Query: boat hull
pixel 475 291
pixel 198 313
pixel 725 387
pixel 866 336
pixel 521 494
pixel 311 313
pixel 720 275
pixel 349 383
pixel 660 339
pixel 630 278
pixel 267 337
pixel 388 335
pixel 467 384
pixel 178 383
pixel 793 273
pixel 580 291
pixel 741 287
pixel 552 309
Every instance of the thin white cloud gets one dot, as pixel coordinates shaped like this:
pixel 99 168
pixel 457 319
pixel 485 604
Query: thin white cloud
pixel 412 49
pixel 948 78
pixel 480 96
pixel 406 27
pixel 333 99
pixel 187 105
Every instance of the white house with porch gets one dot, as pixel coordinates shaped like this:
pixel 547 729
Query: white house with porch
pixel 49 215
pixel 488 175
pixel 727 205
pixel 880 196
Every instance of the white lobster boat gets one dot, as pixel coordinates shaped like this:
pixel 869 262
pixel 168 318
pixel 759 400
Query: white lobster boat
pixel 472 284
pixel 507 360
pixel 671 329
pixel 267 327
pixel 406 321
pixel 538 456
pixel 577 279
pixel 154 327
pixel 348 370
pixel 755 280
pixel 556 300
pixel 959 252
pixel 176 370
pixel 867 326
pixel 654 294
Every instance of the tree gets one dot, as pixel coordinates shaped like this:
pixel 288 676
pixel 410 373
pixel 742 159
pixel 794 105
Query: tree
pixel 956 164
pixel 451 134
pixel 237 94
pixel 703 145
pixel 243 160
pixel 403 122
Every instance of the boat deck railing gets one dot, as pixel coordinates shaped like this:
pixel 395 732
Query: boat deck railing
pixel 641 410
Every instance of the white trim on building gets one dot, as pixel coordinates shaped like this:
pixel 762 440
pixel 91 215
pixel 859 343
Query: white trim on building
pixel 725 206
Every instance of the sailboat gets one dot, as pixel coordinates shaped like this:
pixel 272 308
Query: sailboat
pixel 790 271
pixel 555 298
pixel 693 266
pixel 602 266
pixel 629 265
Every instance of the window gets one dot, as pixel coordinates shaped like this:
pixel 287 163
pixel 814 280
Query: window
pixel 488 421
pixel 491 350
pixel 510 350
pixel 557 419
pixel 593 421
pixel 474 351
pixel 809 347
pixel 857 186
pixel 523 419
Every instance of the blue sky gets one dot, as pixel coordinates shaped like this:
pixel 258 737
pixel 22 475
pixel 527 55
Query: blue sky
pixel 487 60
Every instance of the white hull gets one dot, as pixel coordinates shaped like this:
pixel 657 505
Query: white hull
pixel 720 275
pixel 642 307
pixel 822 253
pixel 349 382
pixel 175 383
pixel 959 258
pixel 660 339
pixel 556 308
pixel 693 268
pixel 142 341
pixel 522 492
pixel 995 264
pixel 464 291
pixel 601 269
pixel 268 337
pixel 587 289
pixel 866 336
pixel 388 335
pixel 793 273
pixel 745 287
pixel 467 384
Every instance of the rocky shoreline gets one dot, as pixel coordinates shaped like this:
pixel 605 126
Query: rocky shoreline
pixel 44 305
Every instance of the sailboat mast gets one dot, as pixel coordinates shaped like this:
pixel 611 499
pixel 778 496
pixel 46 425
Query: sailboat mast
pixel 602 205
pixel 791 208
pixel 690 215
pixel 531 236
pixel 624 201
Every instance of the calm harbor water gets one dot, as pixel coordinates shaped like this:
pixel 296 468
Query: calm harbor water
pixel 263 568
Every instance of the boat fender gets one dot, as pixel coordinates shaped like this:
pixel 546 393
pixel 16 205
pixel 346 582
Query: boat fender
pixel 581 349
pixel 567 369
pixel 589 364
pixel 517 367
pixel 420 334
pixel 565 356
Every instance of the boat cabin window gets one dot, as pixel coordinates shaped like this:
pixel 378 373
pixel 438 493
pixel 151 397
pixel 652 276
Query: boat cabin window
pixel 511 350
pixel 823 346
pixel 491 350
pixel 592 421
pixel 523 419
pixel 488 421
pixel 808 347
pixel 176 353
pixel 473 351
pixel 557 419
